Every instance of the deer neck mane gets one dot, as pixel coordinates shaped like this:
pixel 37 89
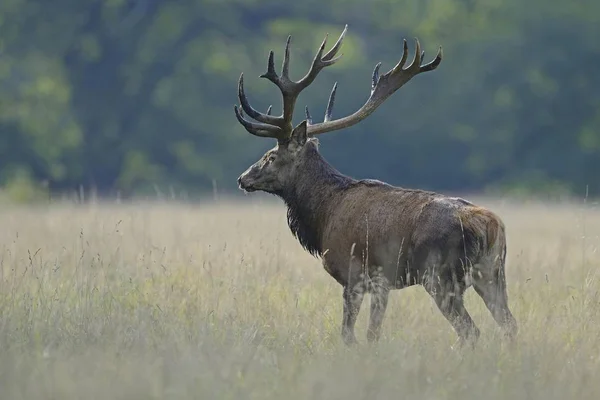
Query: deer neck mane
pixel 310 198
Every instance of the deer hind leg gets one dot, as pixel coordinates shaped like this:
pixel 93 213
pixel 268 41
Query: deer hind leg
pixel 490 283
pixel 452 307
pixel 447 287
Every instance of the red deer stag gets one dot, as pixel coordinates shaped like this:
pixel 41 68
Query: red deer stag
pixel 371 236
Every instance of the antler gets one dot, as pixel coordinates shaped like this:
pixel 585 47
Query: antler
pixel 382 87
pixel 280 127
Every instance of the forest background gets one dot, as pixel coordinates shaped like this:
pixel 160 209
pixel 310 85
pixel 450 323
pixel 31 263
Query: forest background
pixel 132 97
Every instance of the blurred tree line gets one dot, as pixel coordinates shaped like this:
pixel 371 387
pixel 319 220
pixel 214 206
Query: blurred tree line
pixel 129 95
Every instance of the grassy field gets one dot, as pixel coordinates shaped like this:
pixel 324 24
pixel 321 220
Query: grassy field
pixel 168 301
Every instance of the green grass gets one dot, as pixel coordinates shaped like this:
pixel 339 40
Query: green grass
pixel 167 301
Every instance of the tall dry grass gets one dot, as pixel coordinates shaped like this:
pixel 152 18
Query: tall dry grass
pixel 160 301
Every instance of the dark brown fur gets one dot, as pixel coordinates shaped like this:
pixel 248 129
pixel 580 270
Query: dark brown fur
pixel 483 223
pixel 375 237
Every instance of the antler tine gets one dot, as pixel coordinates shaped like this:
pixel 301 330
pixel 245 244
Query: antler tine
pixel 257 129
pixel 308 117
pixel 336 47
pixel 375 77
pixel 416 63
pixel 271 74
pixel 328 110
pixel 266 118
pixel 330 103
pixel 433 64
pixel 382 86
pixel 321 61
pixel 314 68
pixel 403 59
pixel 285 67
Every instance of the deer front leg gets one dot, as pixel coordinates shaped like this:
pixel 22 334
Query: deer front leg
pixel 379 301
pixel 353 297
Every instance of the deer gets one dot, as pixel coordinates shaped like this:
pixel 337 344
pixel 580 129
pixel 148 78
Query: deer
pixel 373 237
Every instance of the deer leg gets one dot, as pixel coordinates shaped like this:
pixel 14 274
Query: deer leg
pixel 490 284
pixel 353 297
pixel 447 292
pixel 379 288
pixel 379 301
pixel 452 307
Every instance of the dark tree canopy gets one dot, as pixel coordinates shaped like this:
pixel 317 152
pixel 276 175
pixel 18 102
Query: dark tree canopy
pixel 131 94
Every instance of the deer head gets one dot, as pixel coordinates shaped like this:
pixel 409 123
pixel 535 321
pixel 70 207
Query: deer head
pixel 277 167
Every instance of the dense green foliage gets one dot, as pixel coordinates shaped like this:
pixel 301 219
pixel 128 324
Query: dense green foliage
pixel 130 94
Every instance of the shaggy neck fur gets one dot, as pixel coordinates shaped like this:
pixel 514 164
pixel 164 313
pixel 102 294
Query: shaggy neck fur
pixel 310 196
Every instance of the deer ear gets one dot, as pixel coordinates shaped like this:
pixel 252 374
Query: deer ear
pixel 299 134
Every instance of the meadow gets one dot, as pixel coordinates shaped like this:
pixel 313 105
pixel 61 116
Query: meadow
pixel 162 300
